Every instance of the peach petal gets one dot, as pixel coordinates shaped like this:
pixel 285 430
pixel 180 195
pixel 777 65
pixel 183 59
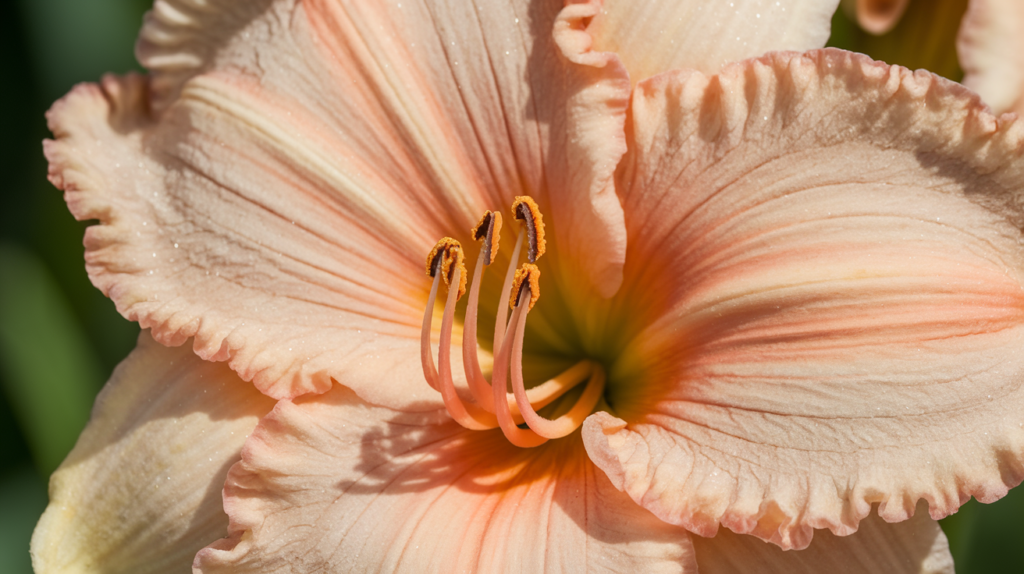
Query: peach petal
pixel 916 546
pixel 657 36
pixel 272 190
pixel 181 39
pixel 990 45
pixel 590 236
pixel 141 490
pixel 330 483
pixel 827 261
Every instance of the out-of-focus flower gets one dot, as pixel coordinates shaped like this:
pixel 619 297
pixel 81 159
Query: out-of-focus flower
pixel 989 42
pixel 876 16
pixel 991 49
pixel 801 276
pixel 913 33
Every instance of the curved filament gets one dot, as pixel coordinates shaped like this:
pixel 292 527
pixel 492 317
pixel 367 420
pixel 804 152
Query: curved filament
pixel 426 355
pixel 478 385
pixel 468 415
pixel 506 292
pixel 524 438
pixel 570 421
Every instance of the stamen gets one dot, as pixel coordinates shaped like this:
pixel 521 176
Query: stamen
pixel 526 282
pixel 542 394
pixel 525 208
pixel 444 258
pixel 487 230
pixel 570 421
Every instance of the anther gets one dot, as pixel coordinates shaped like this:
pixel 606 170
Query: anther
pixel 448 252
pixel 525 208
pixel 489 230
pixel 527 279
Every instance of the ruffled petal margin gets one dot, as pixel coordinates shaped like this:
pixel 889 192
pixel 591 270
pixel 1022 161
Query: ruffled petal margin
pixel 917 546
pixel 332 484
pixel 141 490
pixel 827 261
pixel 272 191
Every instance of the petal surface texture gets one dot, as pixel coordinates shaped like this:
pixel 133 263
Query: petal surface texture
pixel 332 484
pixel 827 256
pixel 141 490
pixel 274 189
pixel 654 37
pixel 917 546
pixel 991 50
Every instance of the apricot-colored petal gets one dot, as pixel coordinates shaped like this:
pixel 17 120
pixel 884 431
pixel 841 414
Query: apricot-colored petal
pixel 333 484
pixel 991 50
pixel 141 490
pixel 273 191
pixel 588 140
pixel 826 266
pixel 657 36
pixel 916 546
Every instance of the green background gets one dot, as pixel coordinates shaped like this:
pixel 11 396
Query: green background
pixel 60 338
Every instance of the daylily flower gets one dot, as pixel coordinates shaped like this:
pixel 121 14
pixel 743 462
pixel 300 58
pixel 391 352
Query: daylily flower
pixel 795 280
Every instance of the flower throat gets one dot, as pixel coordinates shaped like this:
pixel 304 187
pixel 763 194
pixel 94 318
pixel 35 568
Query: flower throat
pixel 493 406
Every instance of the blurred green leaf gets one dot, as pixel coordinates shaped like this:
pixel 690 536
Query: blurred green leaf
pixel 74 41
pixel 959 529
pixel 50 372
pixel 988 538
pixel 22 498
pixel 925 37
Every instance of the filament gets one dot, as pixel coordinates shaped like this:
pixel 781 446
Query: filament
pixel 524 438
pixel 426 356
pixel 506 291
pixel 478 385
pixel 468 415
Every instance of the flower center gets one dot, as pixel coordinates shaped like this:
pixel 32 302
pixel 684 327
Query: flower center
pixel 493 406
